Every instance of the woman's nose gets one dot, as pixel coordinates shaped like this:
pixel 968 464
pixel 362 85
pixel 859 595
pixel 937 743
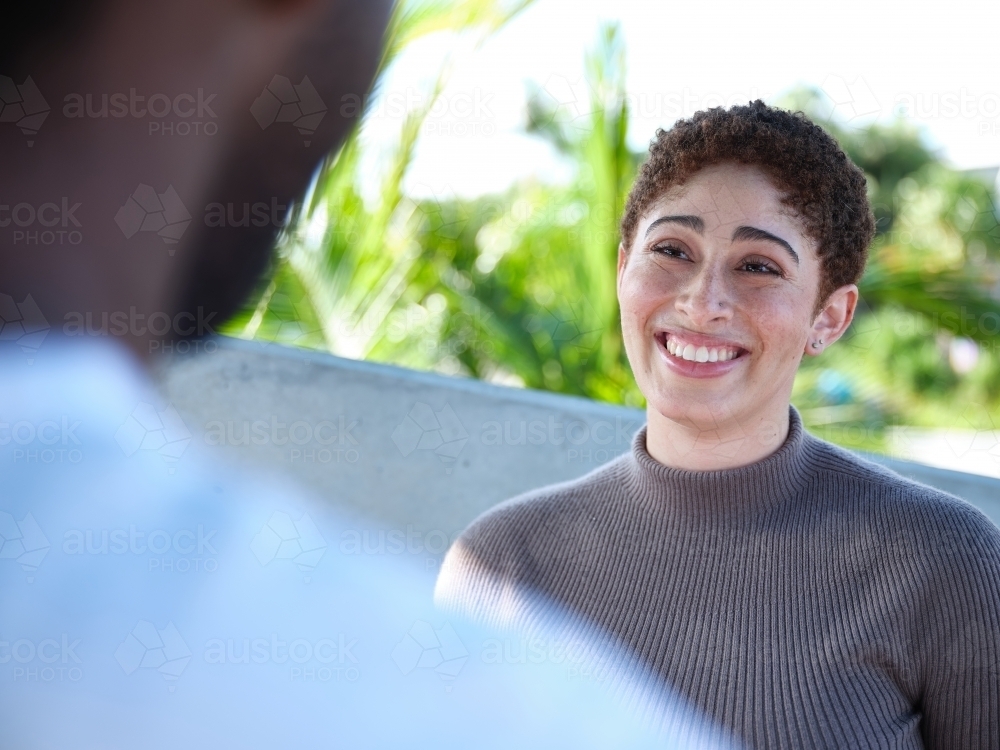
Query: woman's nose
pixel 705 298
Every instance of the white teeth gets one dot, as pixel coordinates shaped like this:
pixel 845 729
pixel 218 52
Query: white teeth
pixel 692 353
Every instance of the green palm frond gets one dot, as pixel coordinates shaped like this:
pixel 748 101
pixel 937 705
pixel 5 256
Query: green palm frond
pixel 349 264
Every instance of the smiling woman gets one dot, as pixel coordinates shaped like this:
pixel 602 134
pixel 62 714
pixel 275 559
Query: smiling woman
pixel 717 310
pixel 796 594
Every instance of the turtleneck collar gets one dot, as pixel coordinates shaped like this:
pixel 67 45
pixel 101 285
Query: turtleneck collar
pixel 757 486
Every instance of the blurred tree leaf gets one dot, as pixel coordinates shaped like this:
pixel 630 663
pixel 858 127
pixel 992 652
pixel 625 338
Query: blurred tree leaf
pixel 520 288
pixel 350 264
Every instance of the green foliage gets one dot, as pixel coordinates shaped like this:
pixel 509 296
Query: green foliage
pixel 533 273
pixel 930 287
pixel 347 264
pixel 520 288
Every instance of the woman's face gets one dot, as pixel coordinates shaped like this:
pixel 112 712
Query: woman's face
pixel 718 294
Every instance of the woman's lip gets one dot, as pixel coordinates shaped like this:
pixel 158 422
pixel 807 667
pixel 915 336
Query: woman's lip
pixel 691 369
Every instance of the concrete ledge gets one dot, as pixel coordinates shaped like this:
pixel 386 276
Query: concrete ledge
pixel 421 452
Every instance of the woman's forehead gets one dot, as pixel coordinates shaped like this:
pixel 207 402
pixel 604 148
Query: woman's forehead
pixel 725 195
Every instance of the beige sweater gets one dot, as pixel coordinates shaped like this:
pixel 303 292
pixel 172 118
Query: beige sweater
pixel 810 600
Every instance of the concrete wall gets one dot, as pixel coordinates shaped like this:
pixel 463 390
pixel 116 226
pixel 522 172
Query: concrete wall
pixel 417 451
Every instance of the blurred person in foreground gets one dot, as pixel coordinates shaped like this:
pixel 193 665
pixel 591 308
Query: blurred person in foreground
pixel 135 606
pixel 795 593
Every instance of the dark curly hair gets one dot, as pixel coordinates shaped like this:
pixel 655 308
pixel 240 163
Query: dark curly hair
pixel 819 183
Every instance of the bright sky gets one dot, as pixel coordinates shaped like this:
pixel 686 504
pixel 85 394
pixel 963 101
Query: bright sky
pixel 937 62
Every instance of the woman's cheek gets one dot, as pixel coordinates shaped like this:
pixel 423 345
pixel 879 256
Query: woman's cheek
pixel 769 311
pixel 640 300
pixel 658 293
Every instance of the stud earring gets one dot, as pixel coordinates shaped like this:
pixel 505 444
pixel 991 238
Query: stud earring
pixel 817 344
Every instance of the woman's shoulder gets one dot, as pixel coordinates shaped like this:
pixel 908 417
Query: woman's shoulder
pixel 502 555
pixel 544 515
pixel 522 516
pixel 879 492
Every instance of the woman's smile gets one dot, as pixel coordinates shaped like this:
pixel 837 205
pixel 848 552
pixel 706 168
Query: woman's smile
pixel 696 355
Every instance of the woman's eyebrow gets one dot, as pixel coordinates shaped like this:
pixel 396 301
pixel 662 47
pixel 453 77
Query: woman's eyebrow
pixel 691 222
pixel 753 233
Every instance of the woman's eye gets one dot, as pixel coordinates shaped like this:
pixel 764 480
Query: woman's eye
pixel 761 266
pixel 670 250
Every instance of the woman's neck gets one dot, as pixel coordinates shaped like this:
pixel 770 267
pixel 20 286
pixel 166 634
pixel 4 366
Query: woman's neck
pixel 714 445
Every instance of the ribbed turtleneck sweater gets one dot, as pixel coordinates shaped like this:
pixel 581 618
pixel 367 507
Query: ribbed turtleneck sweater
pixel 809 600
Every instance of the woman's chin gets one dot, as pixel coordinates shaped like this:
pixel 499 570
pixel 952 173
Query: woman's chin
pixel 702 410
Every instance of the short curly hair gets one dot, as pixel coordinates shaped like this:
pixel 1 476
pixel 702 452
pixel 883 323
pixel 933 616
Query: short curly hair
pixel 819 182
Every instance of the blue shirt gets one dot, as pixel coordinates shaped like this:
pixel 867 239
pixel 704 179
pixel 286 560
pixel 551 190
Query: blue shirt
pixel 149 598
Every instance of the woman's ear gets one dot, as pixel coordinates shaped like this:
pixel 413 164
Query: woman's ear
pixel 833 319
